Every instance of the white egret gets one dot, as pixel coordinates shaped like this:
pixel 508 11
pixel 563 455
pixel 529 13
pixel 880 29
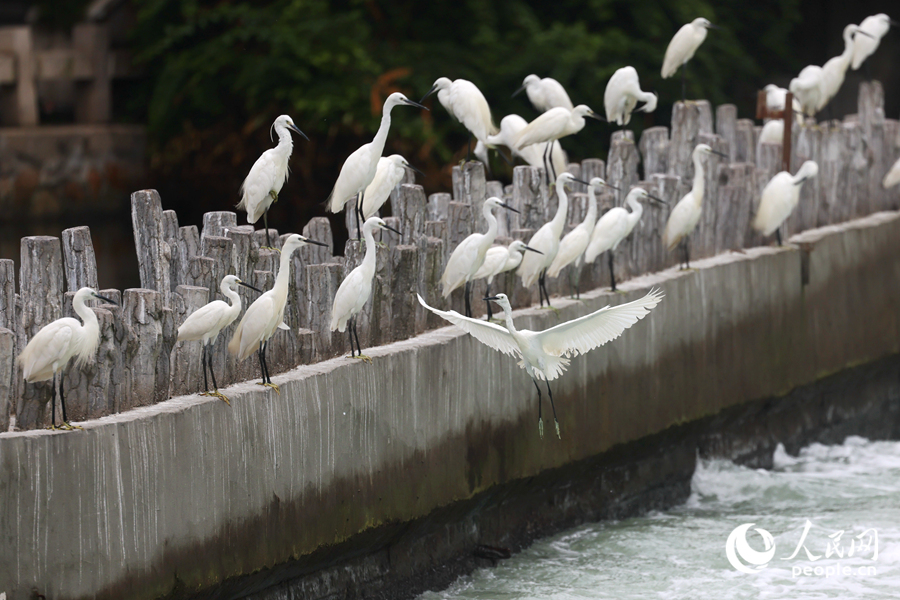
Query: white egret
pixel 499 259
pixel 875 26
pixel 687 212
pixel 268 174
pixel 683 46
pixel 206 322
pixel 388 175
pixel 359 169
pixel 545 93
pixel 775 99
pixel 469 255
pixel 356 288
pixel 544 354
pixel 614 226
pixel 622 94
pixel 772 132
pixel 892 177
pixel 554 124
pixel 834 71
pixel 465 102
pixel 510 127
pixel 809 89
pixel 546 240
pixel 266 313
pixel 780 197
pixel 48 352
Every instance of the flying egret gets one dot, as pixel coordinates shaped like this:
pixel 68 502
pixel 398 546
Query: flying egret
pixel 268 174
pixel 687 212
pixel 48 352
pixel 266 313
pixel 809 89
pixel 875 27
pixel 356 288
pixel 206 322
pixel 510 127
pixel 622 94
pixel 554 124
pixel 499 259
pixel 388 175
pixel 360 167
pixel 780 197
pixel 614 226
pixel 468 256
pixel 465 102
pixel 544 354
pixel 546 240
pixel 683 46
pixel 892 177
pixel 545 93
pixel 834 71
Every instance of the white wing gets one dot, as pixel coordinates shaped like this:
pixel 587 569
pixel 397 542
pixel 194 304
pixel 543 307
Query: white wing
pixel 682 47
pixel 472 109
pixel 352 179
pixel 205 319
pixel 570 248
pixel 776 203
pixel 253 327
pixel 533 263
pixel 487 333
pixel 460 264
pixel 555 94
pixel 387 176
pixel 50 344
pixel 590 331
pixel 772 132
pixel 681 222
pixel 544 128
pixel 494 260
pixel 261 179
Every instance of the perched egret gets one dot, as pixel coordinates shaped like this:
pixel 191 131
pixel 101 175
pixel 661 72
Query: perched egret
pixel 875 27
pixel 544 354
pixel 355 290
pixel 687 212
pixel 465 102
pixel 206 322
pixel 360 167
pixel 266 313
pixel 573 245
pixel 809 89
pixel 469 255
pixel 776 97
pixel 545 93
pixel 892 177
pixel 546 240
pixel 623 92
pixel 388 175
pixel 682 47
pixel 499 259
pixel 834 71
pixel 772 132
pixel 554 124
pixel 510 127
pixel 779 198
pixel 48 352
pixel 614 226
pixel 268 174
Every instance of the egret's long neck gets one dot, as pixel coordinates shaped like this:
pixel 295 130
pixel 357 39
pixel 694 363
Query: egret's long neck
pixel 847 54
pixel 591 216
pixel 232 295
pixel 509 320
pixel 285 141
pixel 559 219
pixel 491 232
pixel 284 274
pixel 368 262
pixel 637 209
pixel 699 180
pixel 381 135
pixel 88 316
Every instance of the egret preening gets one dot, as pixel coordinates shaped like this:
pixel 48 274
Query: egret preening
pixel 510 127
pixel 356 288
pixel 687 212
pixel 809 89
pixel 465 102
pixel 892 177
pixel 622 94
pixel 266 313
pixel 206 322
pixel 614 226
pixel 554 124
pixel 780 197
pixel 544 354
pixel 682 48
pixel 360 167
pixel 268 174
pixel 546 240
pixel 545 93
pixel 48 352
pixel 499 259
pixel 388 175
pixel 875 27
pixel 468 257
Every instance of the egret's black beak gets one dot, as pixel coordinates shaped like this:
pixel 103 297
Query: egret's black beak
pixel 293 127
pixel 430 92
pixel 492 298
pixel 309 241
pixel 801 181
pixel 580 181
pixel 861 32
pixel 609 185
pixel 529 248
pixel 711 26
pixel 247 285
pixel 389 228
pixel 508 207
pixel 416 104
pixel 519 91
pixel 409 166
pixel 655 199
pixel 505 158
pixel 722 154
pixel 594 115
pixel 105 299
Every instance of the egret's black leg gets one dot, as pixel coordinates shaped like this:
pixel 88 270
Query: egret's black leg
pixel 468 302
pixel 356 335
pixel 203 366
pixel 53 405
pixel 687 252
pixel 262 367
pixel 540 420
pixel 265 362
pixel 612 273
pixel 469 149
pixel 359 201
pixel 350 333
pixel 212 373
pixel 542 283
pixel 266 225
pixel 490 313
pixel 683 81
pixel 550 161
pixel 778 235
pixel 62 404
pixel 549 393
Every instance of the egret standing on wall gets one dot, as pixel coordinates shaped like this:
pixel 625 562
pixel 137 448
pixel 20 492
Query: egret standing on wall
pixel 780 197
pixel 499 259
pixel 266 314
pixel 543 353
pixel 682 48
pixel 48 352
pixel 686 213
pixel 268 174
pixel 875 27
pixel 206 322
pixel 390 172
pixel 544 93
pixel 465 103
pixel 554 124
pixel 356 289
pixel 360 167
pixel 622 94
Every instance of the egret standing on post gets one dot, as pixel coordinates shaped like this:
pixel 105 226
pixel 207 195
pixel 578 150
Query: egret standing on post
pixel 389 174
pixel 465 103
pixel 875 27
pixel 554 124
pixel 809 89
pixel 206 322
pixel 266 313
pixel 622 94
pixel 545 93
pixel 48 352
pixel 543 353
pixel 682 48
pixel 500 259
pixel 268 174
pixel 510 127
pixel 780 197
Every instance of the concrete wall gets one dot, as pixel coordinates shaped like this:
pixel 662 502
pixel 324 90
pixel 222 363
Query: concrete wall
pixel 175 498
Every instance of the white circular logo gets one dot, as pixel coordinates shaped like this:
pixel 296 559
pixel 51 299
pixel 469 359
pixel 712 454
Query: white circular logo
pixel 736 546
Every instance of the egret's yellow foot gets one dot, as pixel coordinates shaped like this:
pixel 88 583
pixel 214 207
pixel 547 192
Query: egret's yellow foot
pixel 221 397
pixel 207 393
pixel 274 195
pixel 364 358
pixel 69 427
pixel 273 386
pixel 52 427
pixel 541 427
pixel 270 248
pixel 554 309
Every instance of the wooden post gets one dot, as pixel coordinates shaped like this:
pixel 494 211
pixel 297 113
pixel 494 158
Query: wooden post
pixel 438 206
pixel 654 148
pixel 405 271
pixel 80 262
pixel 153 252
pixel 215 223
pixel 529 191
pixel 409 208
pixel 726 126
pixel 8 313
pixel 621 167
pixel 7 375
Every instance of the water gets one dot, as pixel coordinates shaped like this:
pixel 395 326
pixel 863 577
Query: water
pixel 681 553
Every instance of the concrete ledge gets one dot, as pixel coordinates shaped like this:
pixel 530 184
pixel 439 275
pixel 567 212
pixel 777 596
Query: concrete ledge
pixel 174 499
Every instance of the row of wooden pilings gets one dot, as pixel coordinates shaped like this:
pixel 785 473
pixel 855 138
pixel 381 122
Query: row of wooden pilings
pixel 140 363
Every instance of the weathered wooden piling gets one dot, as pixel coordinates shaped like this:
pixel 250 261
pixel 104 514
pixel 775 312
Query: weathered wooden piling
pixel 654 148
pixel 153 253
pixel 79 259
pixel 7 374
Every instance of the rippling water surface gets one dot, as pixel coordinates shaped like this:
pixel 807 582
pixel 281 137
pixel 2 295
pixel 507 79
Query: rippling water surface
pixel 681 553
